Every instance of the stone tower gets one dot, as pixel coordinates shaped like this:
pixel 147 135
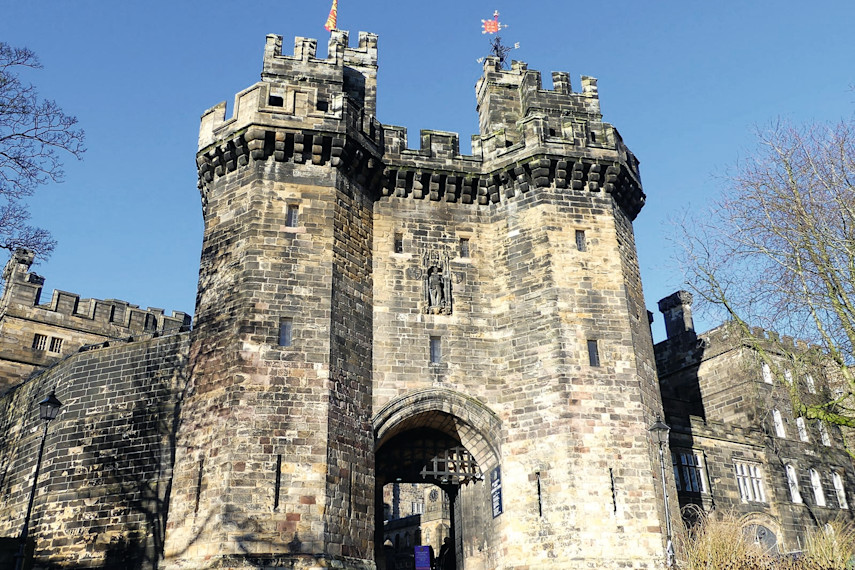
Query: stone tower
pixel 370 313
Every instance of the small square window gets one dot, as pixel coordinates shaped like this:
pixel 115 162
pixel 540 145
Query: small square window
pixel 286 329
pixel 291 216
pixel 435 350
pixel 399 243
pixel 593 353
pixel 464 247
pixel 39 342
pixel 581 243
pixel 55 344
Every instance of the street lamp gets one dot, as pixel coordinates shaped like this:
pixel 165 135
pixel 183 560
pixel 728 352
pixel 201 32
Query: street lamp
pixel 660 430
pixel 48 410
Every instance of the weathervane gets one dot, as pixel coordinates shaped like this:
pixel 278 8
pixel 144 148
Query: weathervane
pixel 497 48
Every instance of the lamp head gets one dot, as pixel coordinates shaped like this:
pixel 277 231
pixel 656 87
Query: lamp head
pixel 660 431
pixel 49 407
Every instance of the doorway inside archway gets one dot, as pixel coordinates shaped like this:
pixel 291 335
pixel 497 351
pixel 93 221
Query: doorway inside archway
pixel 420 473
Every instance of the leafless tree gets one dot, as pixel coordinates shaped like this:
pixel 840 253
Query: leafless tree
pixel 34 133
pixel 777 251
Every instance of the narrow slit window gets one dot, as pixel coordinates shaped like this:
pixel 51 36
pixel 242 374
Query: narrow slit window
pixel 435 350
pixel 464 247
pixel 399 243
pixel 593 353
pixel 581 243
pixel 286 330
pixel 291 216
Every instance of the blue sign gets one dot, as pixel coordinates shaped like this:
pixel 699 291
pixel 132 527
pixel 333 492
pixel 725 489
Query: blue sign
pixel 496 490
pixel 422 558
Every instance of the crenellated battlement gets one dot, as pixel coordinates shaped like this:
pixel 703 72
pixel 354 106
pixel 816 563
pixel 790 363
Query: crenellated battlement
pixel 303 91
pixel 320 111
pixel 110 317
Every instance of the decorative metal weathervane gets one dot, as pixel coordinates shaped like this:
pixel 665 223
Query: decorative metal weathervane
pixel 497 48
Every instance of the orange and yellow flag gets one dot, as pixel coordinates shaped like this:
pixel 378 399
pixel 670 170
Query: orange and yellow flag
pixel 331 19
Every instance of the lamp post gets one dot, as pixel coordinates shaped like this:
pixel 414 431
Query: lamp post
pixel 48 410
pixel 660 430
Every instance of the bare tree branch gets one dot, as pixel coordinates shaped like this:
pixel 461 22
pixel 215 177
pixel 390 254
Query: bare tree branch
pixel 34 133
pixel 778 251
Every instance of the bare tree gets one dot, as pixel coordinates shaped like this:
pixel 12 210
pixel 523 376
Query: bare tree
pixel 778 250
pixel 34 133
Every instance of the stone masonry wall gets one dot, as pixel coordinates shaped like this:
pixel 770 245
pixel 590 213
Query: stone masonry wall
pixel 567 424
pixel 103 490
pixel 721 407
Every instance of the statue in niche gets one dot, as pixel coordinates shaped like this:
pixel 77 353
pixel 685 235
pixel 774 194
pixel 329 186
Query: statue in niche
pixel 437 284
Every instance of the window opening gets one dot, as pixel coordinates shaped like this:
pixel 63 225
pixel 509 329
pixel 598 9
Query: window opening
pixel 286 330
pixel 464 247
pixel 688 472
pixel 767 374
pixel 581 244
pixel 778 420
pixel 800 424
pixel 749 480
pixel 593 353
pixel 823 433
pixel 811 384
pixel 399 243
pixel 39 342
pixel 291 216
pixel 435 350
pixel 793 483
pixel 55 344
pixel 818 492
pixel 840 490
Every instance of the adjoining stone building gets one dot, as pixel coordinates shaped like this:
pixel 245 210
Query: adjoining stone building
pixel 34 335
pixel 368 313
pixel 736 443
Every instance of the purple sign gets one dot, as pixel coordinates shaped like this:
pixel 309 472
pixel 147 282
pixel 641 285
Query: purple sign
pixel 422 557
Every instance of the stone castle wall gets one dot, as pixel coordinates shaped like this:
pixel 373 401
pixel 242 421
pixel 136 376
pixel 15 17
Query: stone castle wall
pixel 103 492
pixel 65 324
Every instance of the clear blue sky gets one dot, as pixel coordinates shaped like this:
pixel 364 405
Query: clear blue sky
pixel 684 82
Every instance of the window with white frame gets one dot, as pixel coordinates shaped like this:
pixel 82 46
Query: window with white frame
pixel 767 374
pixel 749 479
pixel 823 433
pixel 837 479
pixel 800 424
pixel 811 384
pixel 793 483
pixel 778 420
pixel 689 471
pixel 816 484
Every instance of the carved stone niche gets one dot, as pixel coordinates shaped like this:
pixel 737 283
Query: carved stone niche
pixel 436 277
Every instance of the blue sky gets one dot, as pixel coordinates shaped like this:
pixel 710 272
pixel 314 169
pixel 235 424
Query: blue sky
pixel 686 83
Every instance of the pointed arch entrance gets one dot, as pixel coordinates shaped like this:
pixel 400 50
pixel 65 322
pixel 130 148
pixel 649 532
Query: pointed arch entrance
pixel 443 438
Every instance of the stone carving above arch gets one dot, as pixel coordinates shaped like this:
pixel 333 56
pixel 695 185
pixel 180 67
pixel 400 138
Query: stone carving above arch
pixel 475 425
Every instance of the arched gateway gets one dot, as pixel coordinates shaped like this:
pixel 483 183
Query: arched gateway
pixel 442 438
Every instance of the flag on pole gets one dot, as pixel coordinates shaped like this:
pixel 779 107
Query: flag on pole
pixel 331 19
